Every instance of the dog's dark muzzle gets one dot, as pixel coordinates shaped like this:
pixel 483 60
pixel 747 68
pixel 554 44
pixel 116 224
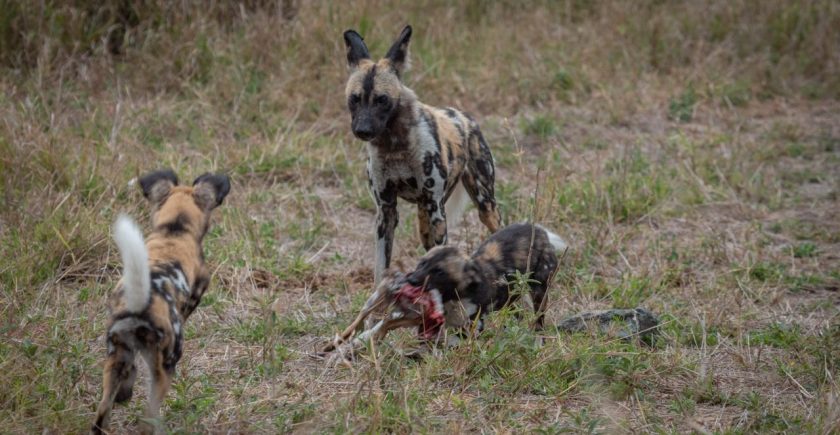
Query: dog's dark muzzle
pixel 363 129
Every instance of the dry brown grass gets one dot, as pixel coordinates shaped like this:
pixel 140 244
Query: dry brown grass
pixel 689 150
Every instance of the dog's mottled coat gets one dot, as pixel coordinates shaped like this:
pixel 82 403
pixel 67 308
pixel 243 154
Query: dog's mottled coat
pixel 164 280
pixel 422 154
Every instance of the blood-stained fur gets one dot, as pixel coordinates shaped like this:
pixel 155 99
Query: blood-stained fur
pixel 429 156
pixel 163 281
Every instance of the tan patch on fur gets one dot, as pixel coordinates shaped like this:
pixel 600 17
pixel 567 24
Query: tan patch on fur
pixel 455 268
pixel 491 252
pixel 450 138
pixel 183 248
pixel 384 82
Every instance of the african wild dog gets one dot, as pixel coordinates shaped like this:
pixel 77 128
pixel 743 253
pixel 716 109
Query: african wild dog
pixel 163 281
pixel 422 154
pixel 449 288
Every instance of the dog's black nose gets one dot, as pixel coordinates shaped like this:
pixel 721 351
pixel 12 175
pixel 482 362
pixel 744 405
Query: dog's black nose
pixel 364 133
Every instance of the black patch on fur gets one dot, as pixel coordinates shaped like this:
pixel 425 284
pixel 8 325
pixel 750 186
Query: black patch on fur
pixel 429 183
pixel 412 182
pixel 428 164
pixel 176 227
pixel 398 53
pixel 388 206
pixel 199 287
pixel 367 84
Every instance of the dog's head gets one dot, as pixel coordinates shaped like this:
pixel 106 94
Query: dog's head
pixel 374 88
pixel 183 209
pixel 446 269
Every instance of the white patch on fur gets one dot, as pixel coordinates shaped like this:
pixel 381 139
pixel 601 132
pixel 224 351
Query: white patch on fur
pixel 181 282
pixel 135 259
pixel 556 241
pixel 456 205
pixel 437 300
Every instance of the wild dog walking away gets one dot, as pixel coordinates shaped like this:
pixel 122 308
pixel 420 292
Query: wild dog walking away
pixel 163 281
pixel 449 288
pixel 425 155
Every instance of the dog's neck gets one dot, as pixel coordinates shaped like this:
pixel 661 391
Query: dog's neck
pixel 396 135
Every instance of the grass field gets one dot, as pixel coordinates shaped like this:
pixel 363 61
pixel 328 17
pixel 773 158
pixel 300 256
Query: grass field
pixel 689 152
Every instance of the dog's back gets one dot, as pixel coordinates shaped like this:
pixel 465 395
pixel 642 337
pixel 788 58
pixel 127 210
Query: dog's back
pixel 163 281
pixel 528 249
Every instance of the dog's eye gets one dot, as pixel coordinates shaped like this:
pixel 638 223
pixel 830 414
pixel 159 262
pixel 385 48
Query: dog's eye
pixel 381 100
pixel 355 99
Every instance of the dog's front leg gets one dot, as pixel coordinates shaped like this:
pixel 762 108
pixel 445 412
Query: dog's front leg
pixel 386 220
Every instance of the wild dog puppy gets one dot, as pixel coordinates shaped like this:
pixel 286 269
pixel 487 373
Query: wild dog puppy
pixel 450 288
pixel 425 155
pixel 163 281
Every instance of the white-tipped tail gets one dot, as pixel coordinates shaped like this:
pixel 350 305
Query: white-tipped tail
pixel 135 259
pixel 559 244
pixel 456 205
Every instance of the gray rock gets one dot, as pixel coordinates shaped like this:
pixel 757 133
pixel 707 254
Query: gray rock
pixel 625 323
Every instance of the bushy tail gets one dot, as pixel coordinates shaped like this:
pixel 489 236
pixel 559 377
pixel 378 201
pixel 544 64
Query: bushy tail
pixel 135 259
pixel 456 205
pixel 556 241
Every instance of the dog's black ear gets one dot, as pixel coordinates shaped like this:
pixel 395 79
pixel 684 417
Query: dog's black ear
pixel 211 190
pixel 398 53
pixel 156 185
pixel 356 48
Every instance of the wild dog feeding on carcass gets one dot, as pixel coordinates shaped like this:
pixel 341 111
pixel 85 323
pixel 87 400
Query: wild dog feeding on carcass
pixel 450 289
pixel 164 278
pixel 425 155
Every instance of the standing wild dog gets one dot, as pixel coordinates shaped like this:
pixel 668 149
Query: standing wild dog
pixel 163 281
pixel 422 154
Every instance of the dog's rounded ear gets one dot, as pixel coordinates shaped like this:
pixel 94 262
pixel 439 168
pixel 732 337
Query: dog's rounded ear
pixel 156 185
pixel 356 48
pixel 211 189
pixel 398 53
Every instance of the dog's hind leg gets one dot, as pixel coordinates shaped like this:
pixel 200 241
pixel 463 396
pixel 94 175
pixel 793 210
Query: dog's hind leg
pixel 479 179
pixel 117 379
pixel 431 222
pixel 126 386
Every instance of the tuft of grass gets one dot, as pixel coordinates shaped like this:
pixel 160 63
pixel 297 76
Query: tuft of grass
pixel 541 126
pixel 804 250
pixel 681 108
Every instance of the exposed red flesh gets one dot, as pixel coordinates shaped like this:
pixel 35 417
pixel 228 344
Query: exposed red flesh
pixel 432 312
